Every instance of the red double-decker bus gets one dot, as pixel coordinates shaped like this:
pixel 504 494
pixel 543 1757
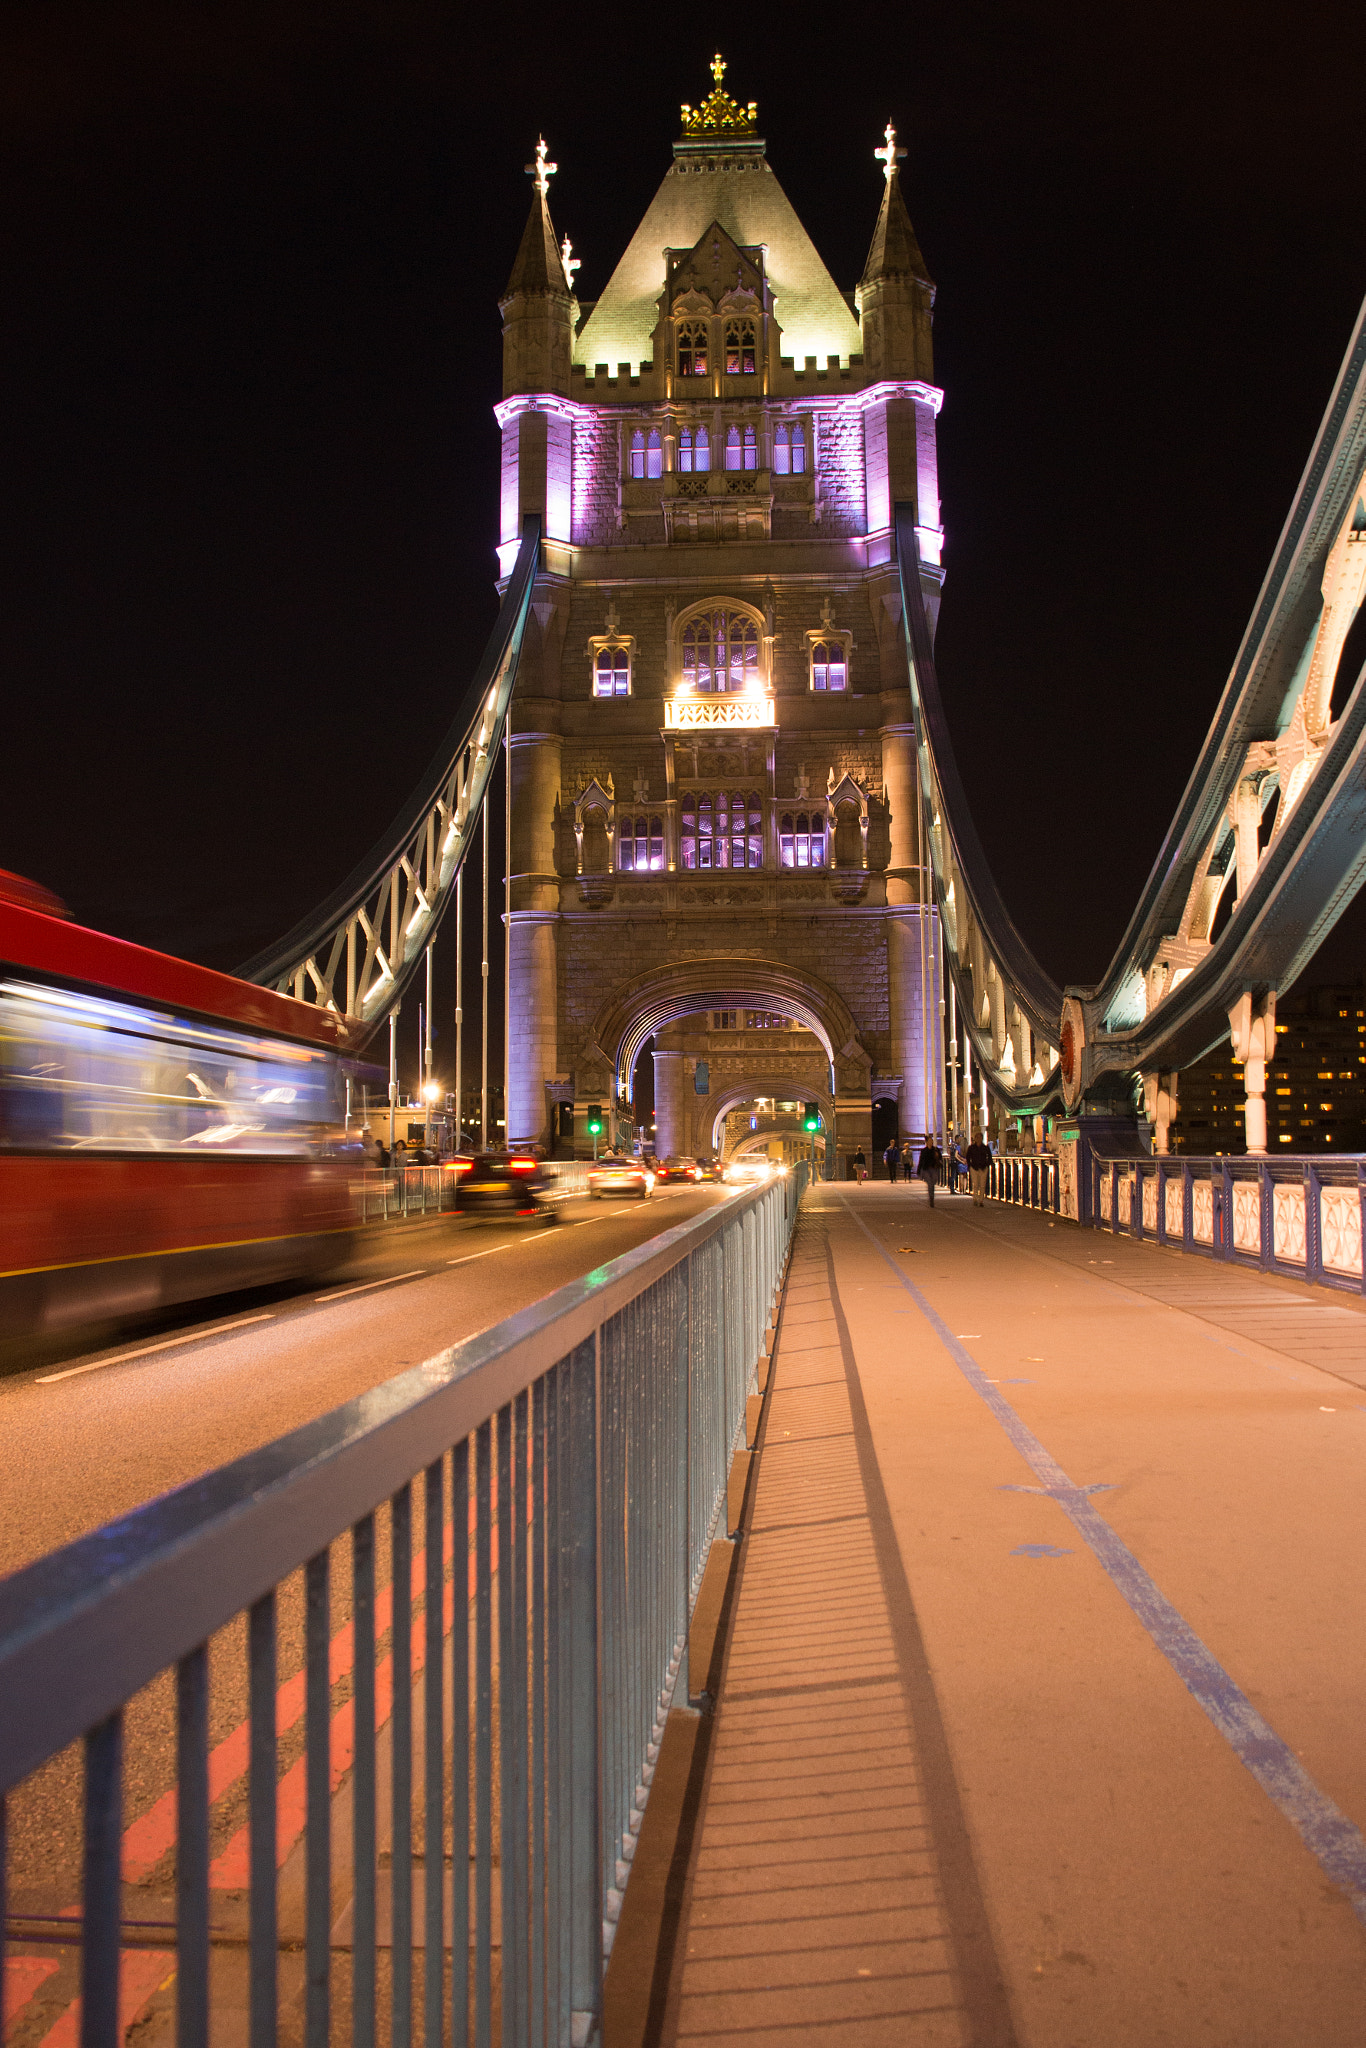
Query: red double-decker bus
pixel 166 1132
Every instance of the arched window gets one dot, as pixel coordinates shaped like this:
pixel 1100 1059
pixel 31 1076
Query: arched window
pixel 692 349
pixel 801 839
pixel 640 845
pixel 798 448
pixel 782 452
pixel 654 457
pixel 720 651
pixel 740 348
pixel 829 665
pixel 733 448
pixel 694 455
pixel 638 452
pixel 721 829
pixel 612 672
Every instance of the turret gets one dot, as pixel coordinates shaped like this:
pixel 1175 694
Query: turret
pixel 895 294
pixel 538 305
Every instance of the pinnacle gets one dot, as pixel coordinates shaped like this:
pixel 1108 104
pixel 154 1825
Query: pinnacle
pixel 539 265
pixel 894 251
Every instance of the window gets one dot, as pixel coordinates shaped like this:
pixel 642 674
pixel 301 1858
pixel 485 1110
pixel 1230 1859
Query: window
pixel 638 453
pixel 766 1020
pixel 692 349
pixel 789 450
pixel 694 451
pixel 612 672
pixel 654 456
pixel 742 448
pixel 719 829
pixel 740 354
pixel 751 449
pixel 801 839
pixel 829 665
pixel 720 652
pixel 640 845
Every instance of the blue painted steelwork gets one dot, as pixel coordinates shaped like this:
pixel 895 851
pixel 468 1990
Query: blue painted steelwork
pixel 606 1416
pixel 1149 1013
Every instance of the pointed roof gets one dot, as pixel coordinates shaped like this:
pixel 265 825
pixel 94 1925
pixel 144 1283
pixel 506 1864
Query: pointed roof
pixel 735 188
pixel 539 266
pixel 895 251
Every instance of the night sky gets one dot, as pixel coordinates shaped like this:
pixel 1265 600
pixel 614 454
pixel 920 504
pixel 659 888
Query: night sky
pixel 250 342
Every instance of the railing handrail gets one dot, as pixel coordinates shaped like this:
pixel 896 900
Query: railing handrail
pixel 84 1628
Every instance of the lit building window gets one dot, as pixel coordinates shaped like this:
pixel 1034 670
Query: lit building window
pixel 733 448
pixel 720 652
pixel 789 450
pixel 751 449
pixel 801 839
pixel 720 829
pixel 692 349
pixel 740 351
pixel 638 452
pixel 640 845
pixel 654 454
pixel 612 672
pixel 694 451
pixel 829 665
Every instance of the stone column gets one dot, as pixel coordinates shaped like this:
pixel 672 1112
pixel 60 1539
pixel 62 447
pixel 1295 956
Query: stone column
pixel 533 965
pixel 669 1104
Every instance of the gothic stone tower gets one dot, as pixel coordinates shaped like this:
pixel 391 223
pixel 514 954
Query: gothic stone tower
pixel 714 782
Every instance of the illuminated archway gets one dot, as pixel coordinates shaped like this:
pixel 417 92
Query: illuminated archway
pixel 739 1092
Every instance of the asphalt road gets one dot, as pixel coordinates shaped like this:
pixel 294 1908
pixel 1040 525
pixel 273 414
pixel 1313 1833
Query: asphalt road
pixel 90 1434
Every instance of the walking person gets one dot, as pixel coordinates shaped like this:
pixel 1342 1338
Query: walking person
pixel 931 1158
pixel 890 1158
pixel 860 1165
pixel 979 1160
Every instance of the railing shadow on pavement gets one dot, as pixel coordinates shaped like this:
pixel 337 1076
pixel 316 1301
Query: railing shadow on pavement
pixel 588 1440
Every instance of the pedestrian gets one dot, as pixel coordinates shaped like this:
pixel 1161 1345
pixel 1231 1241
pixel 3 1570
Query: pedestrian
pixel 930 1160
pixel 907 1161
pixel 890 1158
pixel 979 1161
pixel 860 1165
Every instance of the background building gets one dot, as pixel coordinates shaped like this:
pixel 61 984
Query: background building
pixel 1315 1087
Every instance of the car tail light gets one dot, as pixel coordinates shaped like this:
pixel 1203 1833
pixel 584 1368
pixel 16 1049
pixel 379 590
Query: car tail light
pixel 523 1165
pixel 459 1165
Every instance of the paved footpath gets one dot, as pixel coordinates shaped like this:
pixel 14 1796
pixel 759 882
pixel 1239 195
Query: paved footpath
pixel 1043 1719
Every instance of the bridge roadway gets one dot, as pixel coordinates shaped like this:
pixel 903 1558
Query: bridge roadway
pixel 90 1434
pixel 1040 1714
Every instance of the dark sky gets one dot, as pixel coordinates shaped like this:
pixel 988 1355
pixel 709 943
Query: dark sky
pixel 250 260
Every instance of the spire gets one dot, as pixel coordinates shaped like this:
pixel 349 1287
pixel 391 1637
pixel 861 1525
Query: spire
pixel 538 304
pixel 895 251
pixel 539 266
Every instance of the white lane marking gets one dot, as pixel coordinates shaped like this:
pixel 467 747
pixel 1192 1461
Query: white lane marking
pixel 46 1379
pixel 537 1233
pixel 366 1285
pixel 479 1255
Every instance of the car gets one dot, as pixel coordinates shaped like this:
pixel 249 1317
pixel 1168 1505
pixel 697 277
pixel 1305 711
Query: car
pixel 507 1184
pixel 749 1170
pixel 679 1167
pixel 615 1175
pixel 708 1168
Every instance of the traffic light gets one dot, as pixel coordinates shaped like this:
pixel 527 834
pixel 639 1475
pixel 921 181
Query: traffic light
pixel 592 1122
pixel 811 1117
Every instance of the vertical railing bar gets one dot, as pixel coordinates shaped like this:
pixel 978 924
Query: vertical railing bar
pixel 262 1936
pixel 364 1860
pixel 434 1848
pixel 102 1897
pixel 192 1849
pixel 401 1773
pixel 506 1729
pixel 517 1677
pixel 567 1471
pixel 460 1744
pixel 483 1737
pixel 318 1844
pixel 538 1663
pixel 4 1906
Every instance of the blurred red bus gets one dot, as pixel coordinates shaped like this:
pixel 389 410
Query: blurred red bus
pixel 166 1132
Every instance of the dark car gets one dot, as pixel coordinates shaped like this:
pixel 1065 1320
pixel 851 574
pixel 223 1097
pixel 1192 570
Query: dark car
pixel 508 1184
pixel 708 1169
pixel 678 1167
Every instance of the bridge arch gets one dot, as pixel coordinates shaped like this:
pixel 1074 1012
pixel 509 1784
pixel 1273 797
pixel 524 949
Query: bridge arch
pixel 785 1089
pixel 648 1002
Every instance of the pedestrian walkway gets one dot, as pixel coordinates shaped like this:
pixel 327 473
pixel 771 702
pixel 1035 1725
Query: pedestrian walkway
pixel 1040 1720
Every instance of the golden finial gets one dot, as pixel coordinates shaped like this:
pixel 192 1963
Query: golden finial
pixel 570 261
pixel 888 156
pixel 719 114
pixel 541 171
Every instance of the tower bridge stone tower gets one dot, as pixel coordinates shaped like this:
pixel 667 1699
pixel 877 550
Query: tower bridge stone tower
pixel 715 810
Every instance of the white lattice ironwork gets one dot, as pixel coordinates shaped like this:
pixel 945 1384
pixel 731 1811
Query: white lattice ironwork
pixel 1340 1224
pixel 1175 1194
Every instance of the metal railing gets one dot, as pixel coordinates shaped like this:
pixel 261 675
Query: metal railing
pixel 1026 1181
pixel 560 1477
pixel 1302 1217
